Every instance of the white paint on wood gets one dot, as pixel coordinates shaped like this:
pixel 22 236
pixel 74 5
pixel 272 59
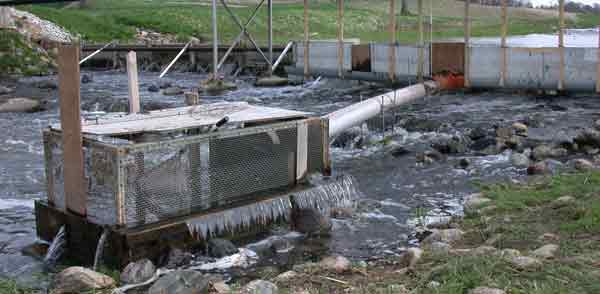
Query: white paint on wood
pixel 132 77
pixel 302 151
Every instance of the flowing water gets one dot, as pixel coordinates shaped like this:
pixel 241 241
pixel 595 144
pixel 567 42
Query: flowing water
pixel 100 248
pixel 393 186
pixel 56 249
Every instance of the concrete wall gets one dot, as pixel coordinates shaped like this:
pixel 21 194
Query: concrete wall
pixel 407 59
pixel 324 55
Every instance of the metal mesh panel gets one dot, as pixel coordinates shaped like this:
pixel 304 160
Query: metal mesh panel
pixel 315 147
pixel 100 167
pixel 54 168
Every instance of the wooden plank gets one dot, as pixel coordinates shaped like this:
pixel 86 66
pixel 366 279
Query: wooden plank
pixel 392 47
pixel 504 31
pixel 561 44
pixel 598 64
pixel 132 82
pixel 340 37
pixel 467 23
pixel 306 43
pixel 447 57
pixel 302 151
pixel 70 118
pixel 421 61
pixel 325 146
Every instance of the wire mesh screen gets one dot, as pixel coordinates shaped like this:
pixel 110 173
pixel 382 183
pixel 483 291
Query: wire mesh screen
pixel 53 154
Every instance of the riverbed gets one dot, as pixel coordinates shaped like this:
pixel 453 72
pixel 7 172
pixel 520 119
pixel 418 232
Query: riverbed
pixel 384 157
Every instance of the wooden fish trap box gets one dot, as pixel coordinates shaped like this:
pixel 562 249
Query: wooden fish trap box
pixel 153 177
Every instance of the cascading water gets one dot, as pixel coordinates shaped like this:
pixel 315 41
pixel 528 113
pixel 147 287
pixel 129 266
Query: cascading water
pixel 56 249
pixel 100 248
pixel 339 192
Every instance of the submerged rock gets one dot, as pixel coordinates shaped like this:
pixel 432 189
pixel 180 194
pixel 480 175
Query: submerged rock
pixel 46 84
pixel 177 257
pixel 153 88
pixel 78 279
pixel 20 105
pixel 86 78
pixel 6 90
pixel 519 159
pixel 589 137
pixel 213 85
pixel 171 91
pixel 138 272
pixel 220 247
pixel 272 81
pixel 311 221
pixel 259 287
pixel 181 282
pixel 520 129
pixel 416 124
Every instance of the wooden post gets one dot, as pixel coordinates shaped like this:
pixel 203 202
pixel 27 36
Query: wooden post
pixel 392 48
pixel 70 120
pixel 598 64
pixel 421 62
pixel 6 22
pixel 270 34
pixel 215 40
pixel 340 35
pixel 306 42
pixel 467 23
pixel 132 79
pixel 504 31
pixel 561 44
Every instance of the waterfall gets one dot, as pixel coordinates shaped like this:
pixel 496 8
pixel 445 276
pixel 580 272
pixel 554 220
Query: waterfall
pixel 56 249
pixel 100 248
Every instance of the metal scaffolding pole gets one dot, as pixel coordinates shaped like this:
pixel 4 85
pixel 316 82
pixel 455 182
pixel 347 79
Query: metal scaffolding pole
pixel 215 40
pixel 270 33
pixel 467 23
pixel 340 35
pixel 561 44
pixel 420 66
pixel 306 42
pixel 504 31
pixel 392 48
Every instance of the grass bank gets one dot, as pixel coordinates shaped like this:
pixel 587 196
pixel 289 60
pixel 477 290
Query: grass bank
pixel 106 20
pixel 522 217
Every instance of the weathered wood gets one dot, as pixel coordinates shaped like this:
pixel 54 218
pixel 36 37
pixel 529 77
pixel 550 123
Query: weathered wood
pixel 306 43
pixel 598 64
pixel 6 22
pixel 325 147
pixel 504 30
pixel 421 61
pixel 132 82
pixel 467 24
pixel 302 151
pixel 70 118
pixel 561 44
pixel 340 37
pixel 392 47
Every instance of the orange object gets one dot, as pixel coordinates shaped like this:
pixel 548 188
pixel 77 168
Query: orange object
pixel 450 81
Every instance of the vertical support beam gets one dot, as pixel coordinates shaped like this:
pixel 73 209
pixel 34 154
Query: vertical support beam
pixel 132 80
pixel 340 35
pixel 6 22
pixel 302 150
pixel 503 49
pixel 70 120
pixel 421 62
pixel 306 43
pixel 561 44
pixel 598 64
pixel 392 47
pixel 215 40
pixel 270 34
pixel 467 23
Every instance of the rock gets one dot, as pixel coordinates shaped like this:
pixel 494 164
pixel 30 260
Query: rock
pixel 86 78
pixel 6 90
pixel 439 248
pixel 156 105
pixel 192 98
pixel 138 272
pixel 452 145
pixel 483 144
pixel 429 156
pixel 520 129
pixel 597 124
pixel 78 279
pixel 524 262
pixel 541 152
pixel 286 277
pixel 177 257
pixel 433 285
pixel 504 132
pixel 464 163
pixel 538 168
pixel 478 133
pixel 484 250
pixel 399 151
pixel 171 91
pixel 212 85
pixel 165 85
pixel 311 221
pixel 548 237
pixel 475 201
pixel 46 84
pixel 220 288
pixel 546 251
pixel 181 282
pixel 486 290
pixel 20 105
pixel 559 152
pixel 562 202
pixel 220 248
pixel 346 138
pixel 588 137
pixel 341 212
pixel 36 249
pixel 339 264
pixel 411 257
pixel 449 236
pixel 519 159
pixel 272 81
pixel 259 287
pixel 579 164
pixel 153 88
pixel 421 125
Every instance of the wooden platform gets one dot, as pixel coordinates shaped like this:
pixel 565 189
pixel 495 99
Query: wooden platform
pixel 188 117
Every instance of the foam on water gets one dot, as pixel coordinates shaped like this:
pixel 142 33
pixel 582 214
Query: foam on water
pixel 12 203
pixel 56 248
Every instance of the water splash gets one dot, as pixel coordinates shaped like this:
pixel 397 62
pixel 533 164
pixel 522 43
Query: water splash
pixel 57 248
pixel 100 248
pixel 337 193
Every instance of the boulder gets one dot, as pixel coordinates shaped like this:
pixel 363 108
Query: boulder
pixel 546 251
pixel 475 201
pixel 78 279
pixel 212 85
pixel 541 152
pixel 177 257
pixel 346 138
pixel 220 248
pixel 311 221
pixel 519 159
pixel 504 132
pixel 520 129
pixel 429 156
pixel 138 272
pixel 46 84
pixel 192 98
pixel 486 290
pixel 559 152
pixel 20 105
pixel 399 151
pixel 439 248
pixel 86 78
pixel 181 282
pixel 286 277
pixel 597 124
pixel 562 202
pixel 411 257
pixel 339 264
pixel 509 253
pixel 588 137
pixel 220 288
pixel 171 91
pixel 524 262
pixel 165 85
pixel 6 90
pixel 452 145
pixel 579 164
pixel 449 236
pixel 259 287
pixel 483 144
pixel 478 133
pixel 272 81
pixel 484 250
pixel 548 237
pixel 538 168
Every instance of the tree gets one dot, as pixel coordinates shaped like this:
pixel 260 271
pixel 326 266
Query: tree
pixel 404 10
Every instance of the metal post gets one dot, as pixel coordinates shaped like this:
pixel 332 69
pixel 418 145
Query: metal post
pixel 270 33
pixel 306 42
pixel 215 40
pixel 392 48
pixel 340 35
pixel 421 64
pixel 430 36
pixel 561 44
pixel 467 23
pixel 503 49
pixel 598 64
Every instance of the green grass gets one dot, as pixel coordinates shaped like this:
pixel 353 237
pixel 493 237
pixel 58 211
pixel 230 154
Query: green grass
pixel 108 20
pixel 16 56
pixel 10 287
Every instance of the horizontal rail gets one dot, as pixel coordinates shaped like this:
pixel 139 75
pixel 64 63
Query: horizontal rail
pixel 168 48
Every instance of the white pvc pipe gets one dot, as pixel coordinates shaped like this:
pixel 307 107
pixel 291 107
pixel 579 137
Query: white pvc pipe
pixel 357 113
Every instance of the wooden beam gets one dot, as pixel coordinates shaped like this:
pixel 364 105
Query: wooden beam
pixel 467 23
pixel 598 64
pixel 340 35
pixel 392 47
pixel 70 119
pixel 215 35
pixel 504 31
pixel 306 43
pixel 561 44
pixel 132 82
pixel 421 62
